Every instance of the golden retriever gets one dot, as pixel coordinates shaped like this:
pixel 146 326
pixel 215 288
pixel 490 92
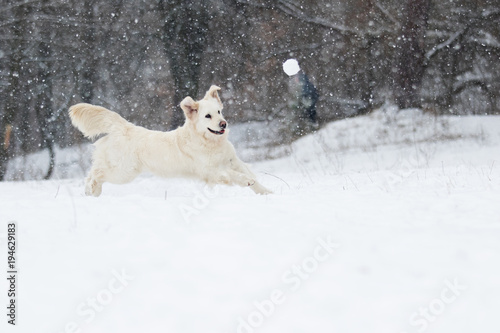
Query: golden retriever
pixel 198 149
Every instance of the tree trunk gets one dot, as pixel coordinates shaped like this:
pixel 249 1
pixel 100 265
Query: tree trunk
pixel 184 38
pixel 410 55
pixel 13 93
pixel 89 72
pixel 44 108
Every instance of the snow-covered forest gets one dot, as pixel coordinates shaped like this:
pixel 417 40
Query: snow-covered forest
pixel 385 212
pixel 142 57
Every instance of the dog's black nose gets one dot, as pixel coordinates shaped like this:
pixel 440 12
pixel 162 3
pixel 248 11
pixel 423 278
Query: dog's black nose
pixel 223 124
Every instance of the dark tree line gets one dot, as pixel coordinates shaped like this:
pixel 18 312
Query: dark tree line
pixel 142 57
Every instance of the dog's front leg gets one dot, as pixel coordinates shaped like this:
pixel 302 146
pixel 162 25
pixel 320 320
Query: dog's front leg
pixel 260 189
pixel 240 179
pixel 248 178
pixel 244 180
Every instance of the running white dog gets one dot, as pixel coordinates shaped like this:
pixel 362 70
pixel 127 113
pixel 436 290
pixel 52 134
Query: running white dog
pixel 199 149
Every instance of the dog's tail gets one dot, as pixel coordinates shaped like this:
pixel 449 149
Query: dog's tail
pixel 94 120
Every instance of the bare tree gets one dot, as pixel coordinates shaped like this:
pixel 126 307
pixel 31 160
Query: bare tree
pixel 410 55
pixel 462 60
pixel 17 39
pixel 88 73
pixel 44 97
pixel 184 38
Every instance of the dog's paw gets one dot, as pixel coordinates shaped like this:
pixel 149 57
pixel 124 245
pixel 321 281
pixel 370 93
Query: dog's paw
pixel 92 188
pixel 259 189
pixel 244 180
pixel 88 191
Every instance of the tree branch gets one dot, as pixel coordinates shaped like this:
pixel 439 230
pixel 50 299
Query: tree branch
pixel 293 10
pixel 388 14
pixel 288 50
pixel 432 52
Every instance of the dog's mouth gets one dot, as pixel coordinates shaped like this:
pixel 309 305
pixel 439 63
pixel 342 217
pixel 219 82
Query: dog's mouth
pixel 216 132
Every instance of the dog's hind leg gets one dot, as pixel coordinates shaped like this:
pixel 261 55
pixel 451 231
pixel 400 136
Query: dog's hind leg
pixel 94 181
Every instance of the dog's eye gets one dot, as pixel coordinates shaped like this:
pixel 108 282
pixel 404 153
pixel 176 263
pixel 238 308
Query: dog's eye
pixel 219 111
pixel 208 116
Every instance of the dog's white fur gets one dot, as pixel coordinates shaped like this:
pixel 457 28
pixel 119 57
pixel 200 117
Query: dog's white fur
pixel 199 149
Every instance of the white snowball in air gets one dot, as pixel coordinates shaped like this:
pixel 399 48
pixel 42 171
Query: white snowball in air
pixel 291 67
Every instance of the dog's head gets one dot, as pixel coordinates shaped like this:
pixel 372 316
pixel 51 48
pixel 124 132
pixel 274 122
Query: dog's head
pixel 206 114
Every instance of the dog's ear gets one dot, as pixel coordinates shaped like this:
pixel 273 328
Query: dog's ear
pixel 212 93
pixel 190 107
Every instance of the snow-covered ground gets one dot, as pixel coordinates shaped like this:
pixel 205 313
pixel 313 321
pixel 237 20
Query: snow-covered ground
pixel 384 223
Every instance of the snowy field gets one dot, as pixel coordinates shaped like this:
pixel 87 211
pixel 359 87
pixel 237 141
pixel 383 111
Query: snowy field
pixel 384 223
